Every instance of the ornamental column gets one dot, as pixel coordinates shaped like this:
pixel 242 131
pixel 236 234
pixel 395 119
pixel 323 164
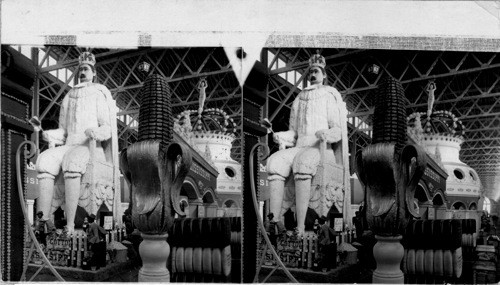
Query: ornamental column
pixel 389 170
pixel 156 168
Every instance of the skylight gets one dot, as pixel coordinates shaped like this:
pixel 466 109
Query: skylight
pixel 290 76
pixel 62 74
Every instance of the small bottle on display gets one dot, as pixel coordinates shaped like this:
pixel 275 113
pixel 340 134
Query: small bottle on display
pixel 84 260
pixel 78 251
pixel 68 259
pixel 119 234
pixel 74 251
pixel 304 252
pixel 310 252
pixel 69 245
pixel 353 232
pixel 315 254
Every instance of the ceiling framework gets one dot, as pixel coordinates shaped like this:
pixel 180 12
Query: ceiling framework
pixel 468 84
pixel 119 71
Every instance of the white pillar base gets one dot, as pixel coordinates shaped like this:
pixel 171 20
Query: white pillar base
pixel 388 253
pixel 154 251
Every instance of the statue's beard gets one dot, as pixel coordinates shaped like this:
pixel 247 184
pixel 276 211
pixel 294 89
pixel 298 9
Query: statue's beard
pixel 315 81
pixel 84 78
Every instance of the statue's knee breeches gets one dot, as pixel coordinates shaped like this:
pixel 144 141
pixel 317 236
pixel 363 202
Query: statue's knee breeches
pixel 50 161
pixel 76 160
pixel 279 165
pixel 305 163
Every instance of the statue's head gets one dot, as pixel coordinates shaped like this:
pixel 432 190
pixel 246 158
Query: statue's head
pixel 86 68
pixel 317 73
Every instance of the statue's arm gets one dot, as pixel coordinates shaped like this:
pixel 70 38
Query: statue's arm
pixel 58 136
pixel 289 138
pixel 334 132
pixel 103 131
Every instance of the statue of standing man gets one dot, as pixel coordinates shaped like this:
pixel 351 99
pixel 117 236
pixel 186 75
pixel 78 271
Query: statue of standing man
pixel 318 119
pixel 87 114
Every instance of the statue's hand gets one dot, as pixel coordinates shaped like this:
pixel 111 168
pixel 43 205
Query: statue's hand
pixel 285 139
pixel 90 133
pixel 54 137
pixel 332 135
pixel 46 136
pixel 276 137
pixel 322 135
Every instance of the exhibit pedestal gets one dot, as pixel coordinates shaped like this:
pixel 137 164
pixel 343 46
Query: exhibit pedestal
pixel 154 251
pixel 388 253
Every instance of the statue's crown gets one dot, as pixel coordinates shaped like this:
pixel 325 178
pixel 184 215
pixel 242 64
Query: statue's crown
pixel 211 120
pixel 317 60
pixel 86 58
pixel 440 122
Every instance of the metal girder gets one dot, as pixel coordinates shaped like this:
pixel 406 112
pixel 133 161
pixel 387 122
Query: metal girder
pixel 66 62
pixel 483 162
pixel 192 103
pixel 481 157
pixel 63 90
pixel 483 166
pixel 444 92
pixel 292 91
pixel 293 65
pixel 128 137
pixel 481 124
pixel 480 151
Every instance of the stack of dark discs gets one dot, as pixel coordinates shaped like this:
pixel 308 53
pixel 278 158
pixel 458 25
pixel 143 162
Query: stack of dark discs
pixel 201 250
pixel 389 117
pixel 155 114
pixel 433 251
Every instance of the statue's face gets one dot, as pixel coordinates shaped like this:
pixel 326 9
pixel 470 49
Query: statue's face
pixel 86 74
pixel 316 75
